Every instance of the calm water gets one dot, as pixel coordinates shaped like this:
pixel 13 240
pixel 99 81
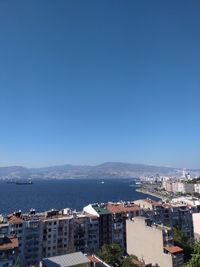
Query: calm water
pixel 44 195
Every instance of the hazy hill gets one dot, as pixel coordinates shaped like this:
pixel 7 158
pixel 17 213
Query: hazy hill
pixel 105 170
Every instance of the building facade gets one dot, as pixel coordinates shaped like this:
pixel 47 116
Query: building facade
pixel 152 243
pixel 8 250
pixel 120 213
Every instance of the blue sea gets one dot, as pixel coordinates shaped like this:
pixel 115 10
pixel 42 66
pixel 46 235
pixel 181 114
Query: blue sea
pixel 72 193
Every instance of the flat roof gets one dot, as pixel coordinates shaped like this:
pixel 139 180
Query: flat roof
pixel 122 208
pixel 66 260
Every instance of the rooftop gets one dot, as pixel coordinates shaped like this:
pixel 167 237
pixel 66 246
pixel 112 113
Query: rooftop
pixel 148 201
pixel 8 243
pixel 13 219
pixel 148 223
pixel 58 216
pixel 100 210
pixel 122 207
pixel 173 249
pixel 67 260
pixel 153 202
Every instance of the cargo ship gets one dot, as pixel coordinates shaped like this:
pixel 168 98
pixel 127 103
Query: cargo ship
pixel 29 182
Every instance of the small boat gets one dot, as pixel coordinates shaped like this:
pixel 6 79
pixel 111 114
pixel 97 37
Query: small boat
pixel 102 182
pixel 132 185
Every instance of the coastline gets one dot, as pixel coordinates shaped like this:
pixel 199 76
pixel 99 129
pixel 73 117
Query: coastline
pixel 145 191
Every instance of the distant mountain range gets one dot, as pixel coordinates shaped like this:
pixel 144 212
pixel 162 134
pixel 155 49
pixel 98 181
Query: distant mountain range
pixel 103 171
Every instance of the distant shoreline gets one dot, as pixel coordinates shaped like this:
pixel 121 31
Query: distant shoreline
pixel 144 191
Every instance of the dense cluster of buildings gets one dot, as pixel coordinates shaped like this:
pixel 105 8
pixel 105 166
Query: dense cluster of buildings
pixel 29 238
pixel 182 185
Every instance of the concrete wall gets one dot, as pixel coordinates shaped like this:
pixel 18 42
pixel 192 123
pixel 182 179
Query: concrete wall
pixel 146 243
pixel 196 225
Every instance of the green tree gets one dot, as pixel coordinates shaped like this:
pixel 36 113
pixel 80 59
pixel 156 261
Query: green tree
pixel 195 257
pixel 128 261
pixel 187 244
pixel 111 254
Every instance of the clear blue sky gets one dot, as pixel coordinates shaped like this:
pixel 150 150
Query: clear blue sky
pixel 85 82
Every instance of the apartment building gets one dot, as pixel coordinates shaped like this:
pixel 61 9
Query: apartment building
pixel 176 186
pixel 120 213
pixel 105 222
pixel 80 228
pixel 152 243
pixel 187 200
pixel 16 228
pixel 93 234
pixel 154 210
pixel 171 214
pixel 197 188
pixel 28 230
pixel 4 226
pixel 8 250
pixel 31 239
pixel 180 216
pixel 53 233
pixel 58 235
pixel 68 231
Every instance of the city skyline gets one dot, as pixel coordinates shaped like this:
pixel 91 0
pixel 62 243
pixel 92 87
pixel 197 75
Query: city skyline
pixel 87 83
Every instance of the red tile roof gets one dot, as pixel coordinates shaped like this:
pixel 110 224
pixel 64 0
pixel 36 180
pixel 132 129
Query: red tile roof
pixel 14 219
pixel 9 243
pixel 122 208
pixel 173 249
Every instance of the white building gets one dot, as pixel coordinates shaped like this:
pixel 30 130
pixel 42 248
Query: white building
pixel 183 200
pixel 197 188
